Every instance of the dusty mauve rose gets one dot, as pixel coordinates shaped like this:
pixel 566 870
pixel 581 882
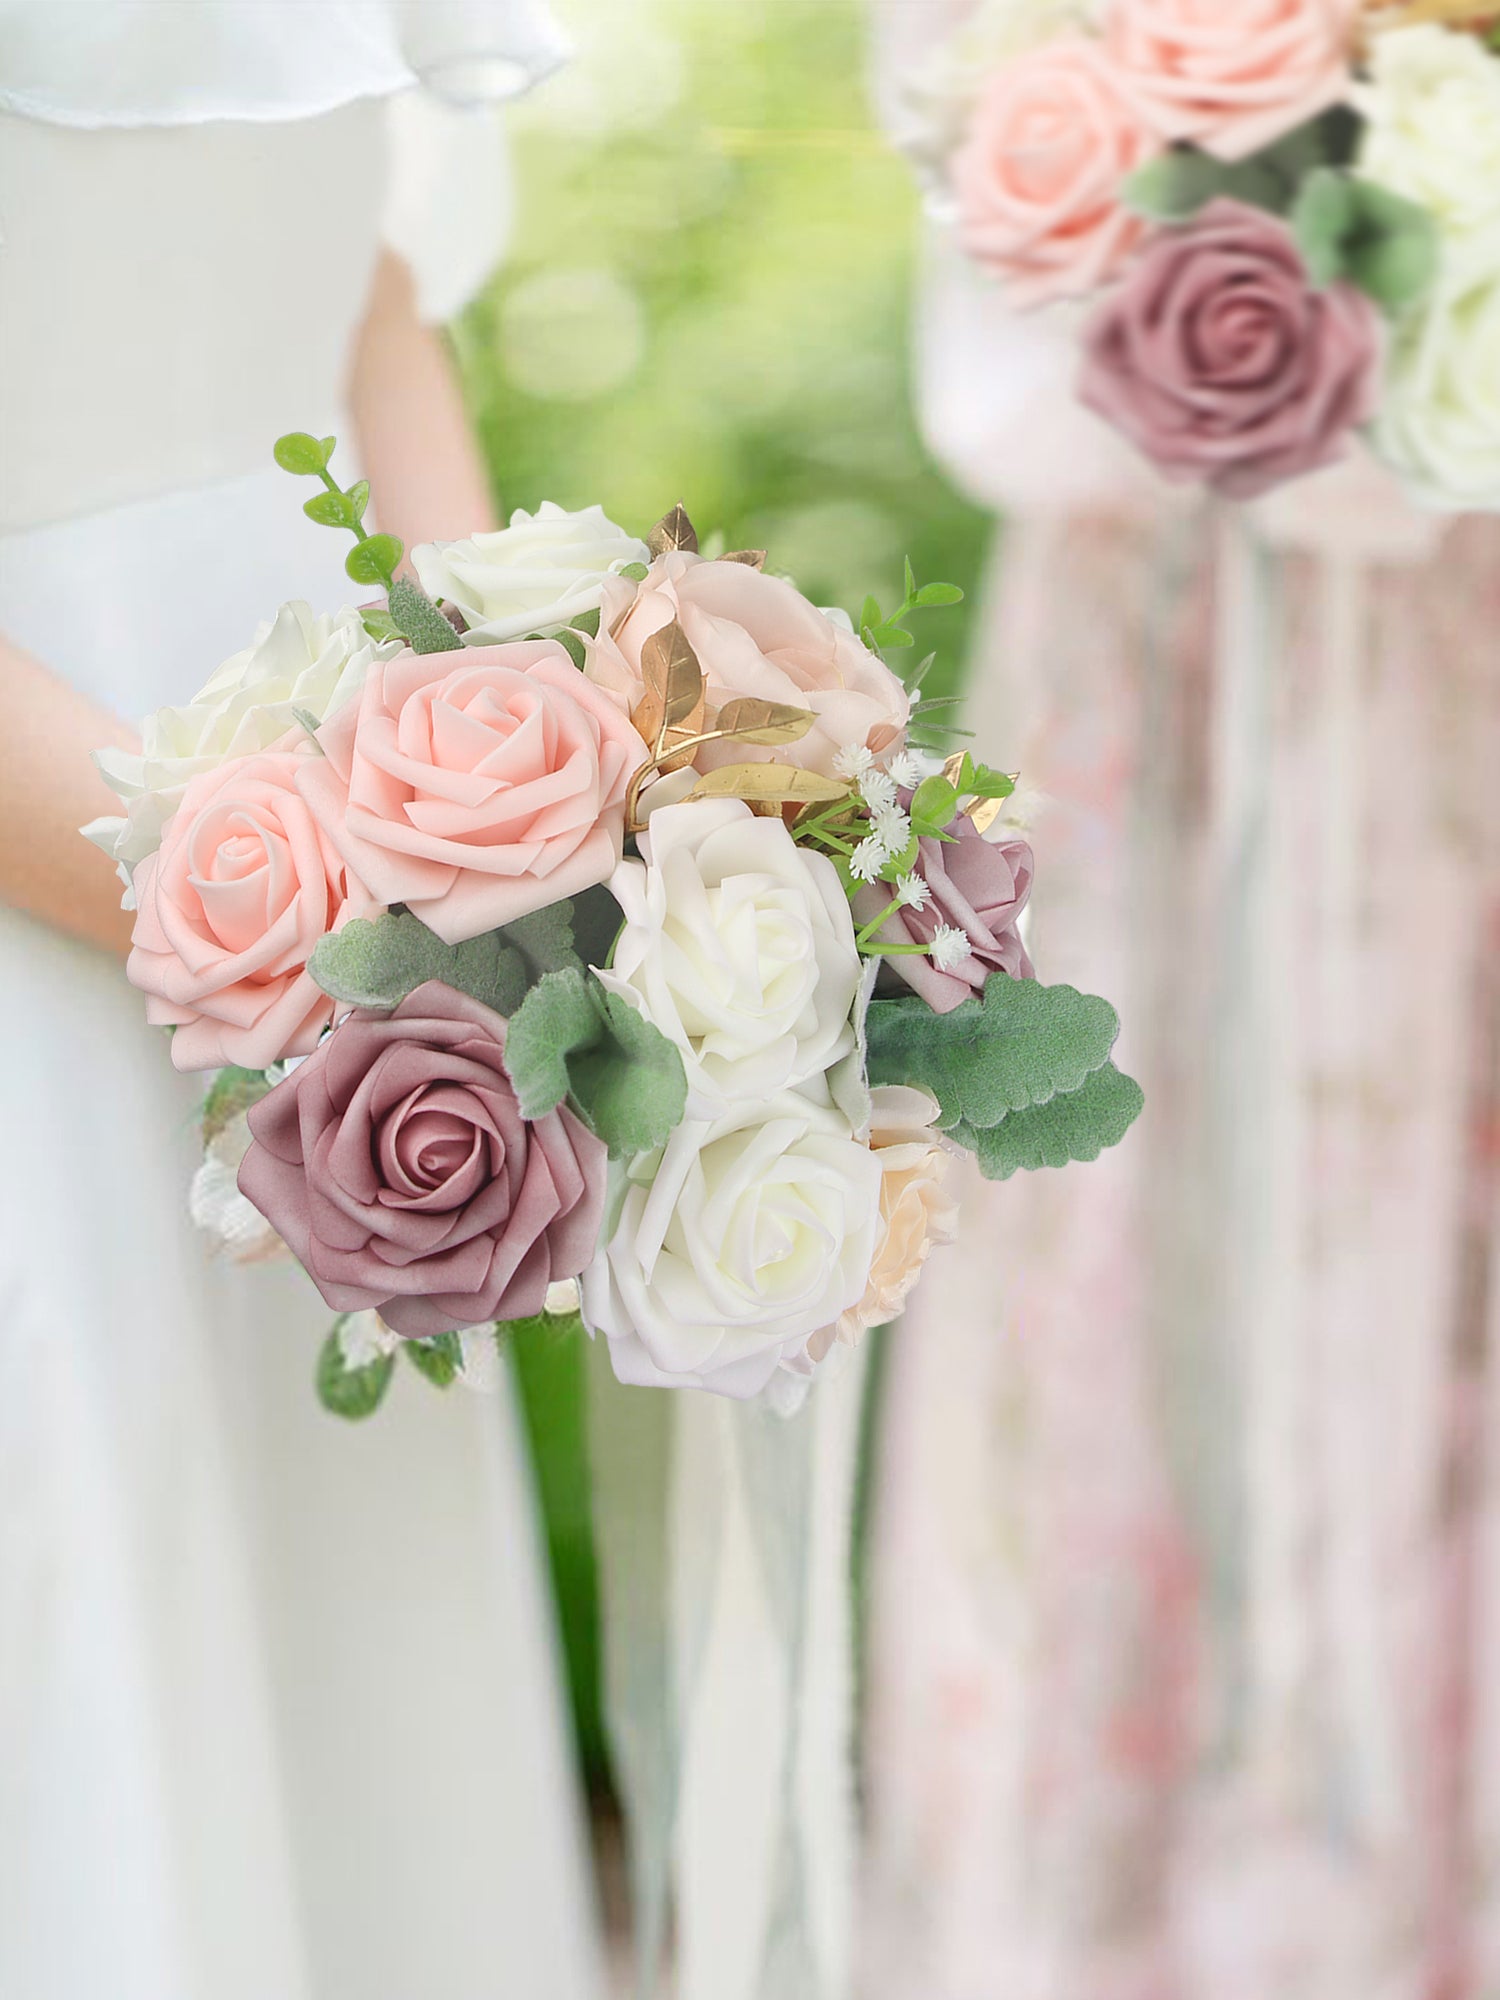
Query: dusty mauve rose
pixel 1221 361
pixel 228 910
pixel 478 787
pixel 397 1166
pixel 753 635
pixel 978 887
pixel 1038 178
pixel 1231 75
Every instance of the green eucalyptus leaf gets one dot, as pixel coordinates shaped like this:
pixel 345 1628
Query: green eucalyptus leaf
pixel 932 594
pixel 351 1393
pixel 572 1038
pixel 329 510
pixel 358 498
pixel 574 647
pixel 1018 1044
pixel 1074 1125
pixel 933 805
pixel 439 1358
pixel 300 452
pixel 378 623
pixel 374 560
pixel 635 572
pixel 415 615
pixel 232 1092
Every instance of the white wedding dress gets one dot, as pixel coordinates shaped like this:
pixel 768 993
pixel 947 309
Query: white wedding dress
pixel 279 1713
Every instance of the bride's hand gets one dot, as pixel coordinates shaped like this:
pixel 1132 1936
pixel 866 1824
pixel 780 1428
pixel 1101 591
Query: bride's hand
pixel 49 788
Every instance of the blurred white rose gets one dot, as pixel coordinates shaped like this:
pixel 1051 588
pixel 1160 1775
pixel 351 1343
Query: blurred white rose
pixel 302 659
pixel 1439 418
pixel 739 947
pixel 736 1243
pixel 1433 133
pixel 538 575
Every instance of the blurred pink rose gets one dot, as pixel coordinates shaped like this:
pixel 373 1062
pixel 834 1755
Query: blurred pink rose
pixel 753 635
pixel 397 1166
pixel 1221 361
pixel 1231 75
pixel 978 887
pixel 1038 179
pixel 476 788
pixel 228 910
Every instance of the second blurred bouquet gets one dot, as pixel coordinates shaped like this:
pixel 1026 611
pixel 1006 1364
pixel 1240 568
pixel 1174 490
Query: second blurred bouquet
pixel 592 925
pixel 1284 216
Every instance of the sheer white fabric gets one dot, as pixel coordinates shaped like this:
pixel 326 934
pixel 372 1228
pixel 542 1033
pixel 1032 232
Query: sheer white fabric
pixel 279 1708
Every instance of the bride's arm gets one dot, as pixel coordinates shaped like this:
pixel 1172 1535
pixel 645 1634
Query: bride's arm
pixel 49 788
pixel 415 445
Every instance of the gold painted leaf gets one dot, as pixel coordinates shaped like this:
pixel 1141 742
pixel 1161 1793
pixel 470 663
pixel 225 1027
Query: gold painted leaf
pixel 782 784
pixel 984 812
pixel 673 531
pixel 751 558
pixel 953 766
pixel 748 720
pixel 672 674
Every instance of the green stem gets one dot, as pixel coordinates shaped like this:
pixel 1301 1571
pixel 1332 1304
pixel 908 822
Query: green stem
pixel 875 924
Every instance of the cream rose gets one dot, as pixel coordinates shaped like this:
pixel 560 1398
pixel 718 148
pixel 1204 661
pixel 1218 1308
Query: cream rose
pixel 753 635
pixel 301 660
pixel 534 577
pixel 735 1245
pixel 917 1210
pixel 1439 418
pixel 739 947
pixel 1433 131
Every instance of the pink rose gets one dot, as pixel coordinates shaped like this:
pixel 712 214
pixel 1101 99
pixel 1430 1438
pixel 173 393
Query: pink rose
pixel 1231 75
pixel 1038 179
pixel 976 886
pixel 229 908
pixel 1222 361
pixel 753 635
pixel 476 788
pixel 397 1166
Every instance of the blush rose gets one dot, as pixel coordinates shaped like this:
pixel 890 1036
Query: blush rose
pixel 1222 362
pixel 397 1166
pixel 1038 180
pixel 476 788
pixel 753 635
pixel 228 910
pixel 1231 75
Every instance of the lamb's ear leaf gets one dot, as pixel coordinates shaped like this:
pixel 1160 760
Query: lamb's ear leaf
pixel 1019 1044
pixel 377 961
pixel 348 1392
pixel 1074 1125
pixel 418 619
pixel 573 1039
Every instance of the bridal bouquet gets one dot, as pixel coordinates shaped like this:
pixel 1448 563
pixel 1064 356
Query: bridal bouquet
pixel 1284 216
pixel 592 926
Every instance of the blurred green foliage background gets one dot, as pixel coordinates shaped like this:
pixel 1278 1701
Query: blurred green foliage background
pixel 707 298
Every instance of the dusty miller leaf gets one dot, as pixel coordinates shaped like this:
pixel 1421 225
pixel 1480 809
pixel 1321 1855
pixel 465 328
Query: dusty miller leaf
pixel 232 1092
pixel 377 961
pixel 571 1038
pixel 347 1392
pixel 1018 1045
pixel 1074 1125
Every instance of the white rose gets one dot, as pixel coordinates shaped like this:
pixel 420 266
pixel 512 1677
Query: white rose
pixel 218 1208
pixel 302 659
pixel 538 575
pixel 736 1243
pixel 1439 418
pixel 739 947
pixel 1433 106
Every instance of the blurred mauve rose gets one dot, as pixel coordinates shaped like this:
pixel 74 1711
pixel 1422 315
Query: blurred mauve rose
pixel 1221 360
pixel 397 1166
